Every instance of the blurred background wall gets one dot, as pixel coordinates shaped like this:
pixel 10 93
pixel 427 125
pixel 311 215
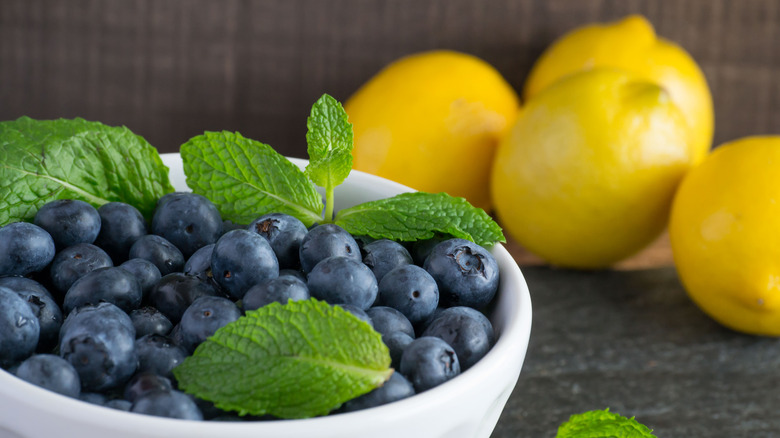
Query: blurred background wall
pixel 170 69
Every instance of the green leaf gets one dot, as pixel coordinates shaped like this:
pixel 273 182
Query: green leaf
pixel 291 361
pixel 45 160
pixel 330 143
pixel 246 179
pixel 602 424
pixel 420 215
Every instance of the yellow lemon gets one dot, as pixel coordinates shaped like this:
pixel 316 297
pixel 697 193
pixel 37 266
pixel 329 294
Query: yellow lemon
pixel 725 235
pixel 631 44
pixel 587 175
pixel 432 121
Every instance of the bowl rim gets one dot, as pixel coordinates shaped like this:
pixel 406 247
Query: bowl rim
pixel 511 344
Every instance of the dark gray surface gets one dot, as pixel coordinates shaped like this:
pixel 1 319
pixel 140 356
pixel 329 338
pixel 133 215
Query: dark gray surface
pixel 633 341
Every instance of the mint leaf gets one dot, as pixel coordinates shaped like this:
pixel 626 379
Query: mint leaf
pixel 45 160
pixel 330 147
pixel 602 424
pixel 420 215
pixel 291 361
pixel 246 179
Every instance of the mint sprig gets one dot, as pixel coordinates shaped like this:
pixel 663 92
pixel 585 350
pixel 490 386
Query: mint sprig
pixel 603 424
pixel 46 160
pixel 246 179
pixel 330 147
pixel 290 361
pixel 419 215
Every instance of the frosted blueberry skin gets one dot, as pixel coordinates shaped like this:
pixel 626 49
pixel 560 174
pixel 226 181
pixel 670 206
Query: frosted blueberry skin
pixel 388 320
pixel 394 389
pixel 121 225
pixel 99 341
pixel 24 248
pixel 175 292
pixel 159 355
pixel 19 328
pixel 199 263
pixel 187 220
pixel 411 290
pixel 144 271
pixel 242 259
pixel 343 280
pixel 170 404
pixel 280 289
pixel 327 240
pixel 396 343
pixel 284 233
pixel 144 383
pixel 466 273
pixel 382 256
pixel 76 261
pixel 204 317
pixel 468 332
pixel 162 253
pixel 49 316
pixel 69 222
pixel 428 362
pixel 358 312
pixel 111 285
pixel 51 372
pixel 148 320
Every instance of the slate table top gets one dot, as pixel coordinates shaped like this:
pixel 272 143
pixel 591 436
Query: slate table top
pixel 630 339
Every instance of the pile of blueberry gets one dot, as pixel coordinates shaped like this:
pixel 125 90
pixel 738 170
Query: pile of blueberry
pixel 97 304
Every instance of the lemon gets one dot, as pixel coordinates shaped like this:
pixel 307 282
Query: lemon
pixel 631 44
pixel 432 121
pixel 587 175
pixel 725 235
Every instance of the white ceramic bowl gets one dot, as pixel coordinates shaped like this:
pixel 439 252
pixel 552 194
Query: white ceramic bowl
pixel 465 407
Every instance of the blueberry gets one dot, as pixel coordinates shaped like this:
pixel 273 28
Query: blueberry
pixel 159 355
pixel 467 331
pixel 280 289
pixel 429 362
pixel 111 285
pixel 148 320
pixel 388 320
pixel 99 341
pixel 342 280
pixel 187 220
pixel 357 311
pixel 411 290
pixel 242 259
pixel 24 284
pixel 175 292
pixel 19 328
pixel 119 405
pixel 205 316
pixel 121 225
pixel 382 256
pixel 467 274
pixel 394 389
pixel 69 222
pixel 93 398
pixel 24 248
pixel 199 263
pixel 159 251
pixel 228 225
pixel 46 310
pixel 293 273
pixel 171 404
pixel 327 240
pixel 51 372
pixel 144 271
pixel 284 233
pixel 144 383
pixel 396 342
pixel 421 249
pixel 74 262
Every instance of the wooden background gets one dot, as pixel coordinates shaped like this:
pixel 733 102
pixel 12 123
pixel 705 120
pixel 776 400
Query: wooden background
pixel 170 69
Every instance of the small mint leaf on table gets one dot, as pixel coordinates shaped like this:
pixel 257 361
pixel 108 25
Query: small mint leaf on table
pixel 290 361
pixel 603 424
pixel 330 147
pixel 246 179
pixel 46 160
pixel 420 215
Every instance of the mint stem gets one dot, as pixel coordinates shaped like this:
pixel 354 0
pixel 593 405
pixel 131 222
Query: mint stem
pixel 329 205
